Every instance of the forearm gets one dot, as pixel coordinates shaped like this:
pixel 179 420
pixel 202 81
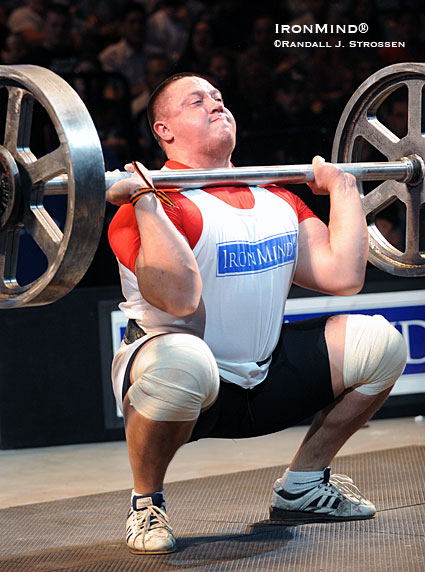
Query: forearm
pixel 348 236
pixel 166 269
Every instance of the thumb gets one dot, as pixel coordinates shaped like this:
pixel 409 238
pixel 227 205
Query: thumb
pixel 317 160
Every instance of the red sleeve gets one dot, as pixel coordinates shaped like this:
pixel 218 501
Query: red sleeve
pixel 123 235
pixel 186 217
pixel 123 232
pixel 299 206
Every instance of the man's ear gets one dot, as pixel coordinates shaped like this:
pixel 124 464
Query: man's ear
pixel 163 131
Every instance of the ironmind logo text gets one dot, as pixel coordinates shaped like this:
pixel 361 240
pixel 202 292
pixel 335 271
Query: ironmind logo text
pixel 252 257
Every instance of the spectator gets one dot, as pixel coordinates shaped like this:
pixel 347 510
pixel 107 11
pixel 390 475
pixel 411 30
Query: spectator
pixel 14 50
pixel 222 70
pixel 363 67
pixel 87 80
pixel 233 20
pixel 397 117
pixel 317 12
pixel 28 21
pixel 157 69
pixel 99 24
pixel 388 224
pixel 198 50
pixel 4 30
pixel 291 94
pixel 128 56
pixel 262 49
pixel 408 28
pixel 168 29
pixel 366 12
pixel 58 50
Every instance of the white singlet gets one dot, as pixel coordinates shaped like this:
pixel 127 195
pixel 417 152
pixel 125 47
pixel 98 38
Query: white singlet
pixel 247 259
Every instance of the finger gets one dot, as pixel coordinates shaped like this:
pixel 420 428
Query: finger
pixel 317 162
pixel 112 197
pixel 115 197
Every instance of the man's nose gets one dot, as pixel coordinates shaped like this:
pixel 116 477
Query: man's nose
pixel 215 105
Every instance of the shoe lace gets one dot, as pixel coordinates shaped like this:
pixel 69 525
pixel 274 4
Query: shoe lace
pixel 151 517
pixel 345 485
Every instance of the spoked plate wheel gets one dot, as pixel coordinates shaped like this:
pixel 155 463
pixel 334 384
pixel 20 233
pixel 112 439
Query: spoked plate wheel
pixel 362 128
pixel 68 246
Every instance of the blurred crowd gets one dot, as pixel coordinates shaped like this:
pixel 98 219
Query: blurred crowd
pixel 287 101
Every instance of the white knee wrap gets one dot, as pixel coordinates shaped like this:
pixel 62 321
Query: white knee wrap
pixel 174 377
pixel 375 354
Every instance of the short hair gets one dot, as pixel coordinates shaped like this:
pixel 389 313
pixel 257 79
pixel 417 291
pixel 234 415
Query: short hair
pixel 152 107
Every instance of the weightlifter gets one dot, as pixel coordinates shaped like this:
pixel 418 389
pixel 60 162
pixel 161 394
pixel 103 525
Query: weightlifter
pixel 205 354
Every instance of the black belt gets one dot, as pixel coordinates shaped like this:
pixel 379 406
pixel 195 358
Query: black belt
pixel 132 332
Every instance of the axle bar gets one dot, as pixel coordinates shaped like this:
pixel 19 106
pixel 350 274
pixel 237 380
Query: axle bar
pixel 406 170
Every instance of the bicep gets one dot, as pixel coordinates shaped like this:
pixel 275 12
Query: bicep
pixel 314 264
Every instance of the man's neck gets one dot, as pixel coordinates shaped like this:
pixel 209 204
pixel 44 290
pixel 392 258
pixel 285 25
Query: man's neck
pixel 200 162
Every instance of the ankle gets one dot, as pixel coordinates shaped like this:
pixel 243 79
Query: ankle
pixel 296 482
pixel 135 493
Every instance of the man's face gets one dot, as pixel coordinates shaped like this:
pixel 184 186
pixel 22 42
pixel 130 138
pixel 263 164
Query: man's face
pixel 196 117
pixel 263 32
pixel 56 26
pixel 397 120
pixel 37 5
pixel 156 71
pixel 134 27
pixel 221 69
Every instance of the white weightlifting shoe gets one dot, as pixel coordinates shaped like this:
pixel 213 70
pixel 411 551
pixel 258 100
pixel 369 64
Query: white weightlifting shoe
pixel 335 499
pixel 148 526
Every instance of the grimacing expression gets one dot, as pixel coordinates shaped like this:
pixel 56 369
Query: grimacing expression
pixel 194 113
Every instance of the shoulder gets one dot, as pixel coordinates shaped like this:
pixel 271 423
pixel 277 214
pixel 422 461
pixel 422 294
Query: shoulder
pixel 124 220
pixel 112 50
pixel 185 216
pixel 123 232
pixel 123 235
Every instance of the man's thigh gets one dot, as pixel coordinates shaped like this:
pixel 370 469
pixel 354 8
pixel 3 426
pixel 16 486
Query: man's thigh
pixel 299 382
pixel 297 386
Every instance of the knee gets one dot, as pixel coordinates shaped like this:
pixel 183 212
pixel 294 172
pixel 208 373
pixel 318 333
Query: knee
pixel 375 354
pixel 174 377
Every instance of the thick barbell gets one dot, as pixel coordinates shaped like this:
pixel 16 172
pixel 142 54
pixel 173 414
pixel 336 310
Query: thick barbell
pixel 407 170
pixel 75 168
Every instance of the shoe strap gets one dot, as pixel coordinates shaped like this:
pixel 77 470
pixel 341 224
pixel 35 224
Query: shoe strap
pixel 140 502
